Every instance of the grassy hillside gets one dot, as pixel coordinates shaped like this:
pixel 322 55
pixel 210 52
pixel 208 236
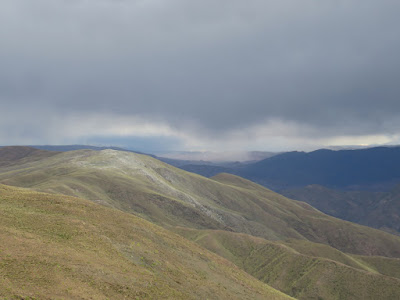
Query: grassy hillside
pixel 59 247
pixel 172 197
pixel 303 269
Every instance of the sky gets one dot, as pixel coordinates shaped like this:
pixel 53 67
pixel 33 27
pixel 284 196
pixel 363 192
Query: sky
pixel 200 75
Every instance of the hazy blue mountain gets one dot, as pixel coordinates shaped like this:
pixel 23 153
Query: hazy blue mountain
pixel 374 168
pixel 361 169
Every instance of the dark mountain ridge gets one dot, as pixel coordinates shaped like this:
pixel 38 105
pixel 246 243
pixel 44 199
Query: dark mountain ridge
pixel 373 168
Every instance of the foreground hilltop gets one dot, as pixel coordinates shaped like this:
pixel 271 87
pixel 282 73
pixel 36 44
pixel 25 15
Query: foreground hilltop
pixel 55 246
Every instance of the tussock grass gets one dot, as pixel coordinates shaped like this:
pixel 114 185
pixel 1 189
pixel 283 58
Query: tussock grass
pixel 57 247
pixel 303 269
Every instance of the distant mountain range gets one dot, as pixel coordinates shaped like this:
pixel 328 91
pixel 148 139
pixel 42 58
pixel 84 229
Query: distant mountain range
pixel 288 245
pixel 374 168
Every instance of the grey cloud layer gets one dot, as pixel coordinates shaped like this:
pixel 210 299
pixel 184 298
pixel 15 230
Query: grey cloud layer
pixel 223 65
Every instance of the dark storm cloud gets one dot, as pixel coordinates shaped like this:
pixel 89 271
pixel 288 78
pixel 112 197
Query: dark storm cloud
pixel 332 66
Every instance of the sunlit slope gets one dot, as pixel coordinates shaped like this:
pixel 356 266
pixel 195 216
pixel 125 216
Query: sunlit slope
pixel 60 247
pixel 172 197
pixel 303 269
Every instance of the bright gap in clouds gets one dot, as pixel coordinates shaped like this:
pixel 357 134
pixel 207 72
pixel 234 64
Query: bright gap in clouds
pixel 142 134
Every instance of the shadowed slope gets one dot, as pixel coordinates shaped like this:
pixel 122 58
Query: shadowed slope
pixel 64 247
pixel 171 197
pixel 376 209
pixel 12 155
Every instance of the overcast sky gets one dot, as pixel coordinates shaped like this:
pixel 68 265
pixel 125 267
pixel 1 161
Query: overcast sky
pixel 200 75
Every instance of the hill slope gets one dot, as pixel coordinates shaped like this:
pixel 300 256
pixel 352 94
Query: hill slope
pixel 303 269
pixel 55 246
pixel 299 250
pixel 171 197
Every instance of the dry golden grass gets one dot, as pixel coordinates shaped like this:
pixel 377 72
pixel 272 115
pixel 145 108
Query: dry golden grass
pixel 303 269
pixel 104 251
pixel 167 196
pixel 59 247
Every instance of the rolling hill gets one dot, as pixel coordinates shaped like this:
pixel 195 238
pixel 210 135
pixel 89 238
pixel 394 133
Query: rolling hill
pixel 285 243
pixel 303 269
pixel 171 197
pixel 55 246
